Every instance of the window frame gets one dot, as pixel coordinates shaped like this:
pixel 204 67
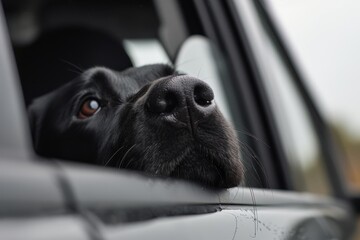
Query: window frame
pixel 330 150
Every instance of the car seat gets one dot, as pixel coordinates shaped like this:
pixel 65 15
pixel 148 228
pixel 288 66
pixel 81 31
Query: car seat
pixel 57 56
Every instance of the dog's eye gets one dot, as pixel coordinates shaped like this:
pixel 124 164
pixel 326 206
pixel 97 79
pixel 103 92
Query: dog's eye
pixel 88 108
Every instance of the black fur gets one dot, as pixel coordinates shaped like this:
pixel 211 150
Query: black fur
pixel 148 121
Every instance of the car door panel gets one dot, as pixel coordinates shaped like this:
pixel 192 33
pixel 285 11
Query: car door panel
pixel 28 188
pixel 44 228
pixel 99 202
pixel 158 209
pixel 243 223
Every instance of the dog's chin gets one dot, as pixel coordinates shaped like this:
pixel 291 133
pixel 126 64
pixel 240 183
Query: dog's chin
pixel 209 176
pixel 196 164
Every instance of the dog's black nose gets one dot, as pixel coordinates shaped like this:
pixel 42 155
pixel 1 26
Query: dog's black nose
pixel 181 100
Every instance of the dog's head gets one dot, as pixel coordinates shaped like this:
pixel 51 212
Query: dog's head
pixel 150 119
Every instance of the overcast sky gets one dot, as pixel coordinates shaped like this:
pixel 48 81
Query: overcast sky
pixel 324 36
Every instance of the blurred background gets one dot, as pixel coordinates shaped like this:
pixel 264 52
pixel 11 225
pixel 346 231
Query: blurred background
pixel 324 37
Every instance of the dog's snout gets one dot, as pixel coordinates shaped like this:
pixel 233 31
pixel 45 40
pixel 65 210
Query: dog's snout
pixel 184 99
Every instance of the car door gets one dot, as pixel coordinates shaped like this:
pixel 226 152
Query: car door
pixel 32 201
pixel 50 199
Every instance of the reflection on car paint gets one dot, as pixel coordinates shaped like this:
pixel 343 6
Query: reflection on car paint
pixel 243 223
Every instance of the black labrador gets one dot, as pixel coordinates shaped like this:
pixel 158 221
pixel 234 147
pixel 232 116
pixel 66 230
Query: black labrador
pixel 151 118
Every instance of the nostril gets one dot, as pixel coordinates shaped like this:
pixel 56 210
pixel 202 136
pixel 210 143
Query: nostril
pixel 203 95
pixel 158 106
pixel 201 101
pixel 165 104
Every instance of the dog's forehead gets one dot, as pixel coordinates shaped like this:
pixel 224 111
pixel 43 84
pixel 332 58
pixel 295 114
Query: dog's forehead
pixel 110 81
pixel 127 81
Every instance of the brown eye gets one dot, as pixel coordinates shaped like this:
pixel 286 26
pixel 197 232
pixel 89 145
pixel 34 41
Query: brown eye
pixel 88 108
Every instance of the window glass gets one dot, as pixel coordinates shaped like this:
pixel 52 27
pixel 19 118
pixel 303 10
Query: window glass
pixel 292 118
pixel 295 128
pixel 326 44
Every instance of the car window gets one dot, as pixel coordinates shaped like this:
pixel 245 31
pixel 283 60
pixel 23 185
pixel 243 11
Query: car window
pixel 293 121
pixel 329 54
pixel 296 129
pixel 64 38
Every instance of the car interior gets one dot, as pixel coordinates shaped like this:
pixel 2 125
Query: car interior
pixel 54 41
pixel 63 38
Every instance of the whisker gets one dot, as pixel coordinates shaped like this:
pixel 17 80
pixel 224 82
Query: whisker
pixel 199 72
pixel 245 148
pixel 112 156
pixel 125 155
pixel 80 70
pixel 129 162
pixel 252 136
pixel 255 216
pixel 74 71
pixel 176 66
pixel 144 156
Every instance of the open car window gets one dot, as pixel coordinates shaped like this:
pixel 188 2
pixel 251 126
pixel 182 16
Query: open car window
pixel 62 37
pixel 56 41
